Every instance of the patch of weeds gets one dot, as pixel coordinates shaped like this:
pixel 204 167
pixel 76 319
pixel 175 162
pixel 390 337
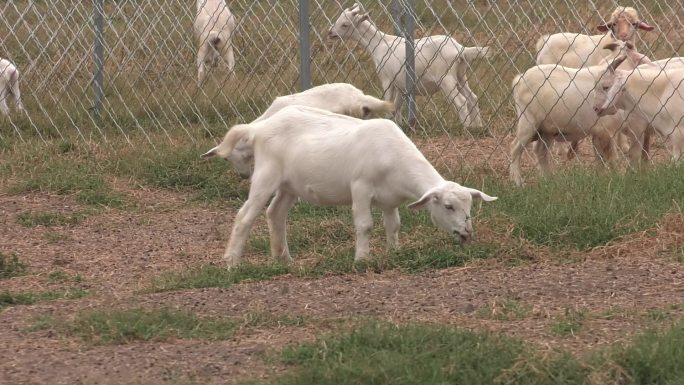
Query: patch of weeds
pixel 58 276
pixel 570 324
pixel 48 218
pixel 614 312
pixel 654 357
pixel 11 266
pixel 503 309
pixel 215 276
pixel 55 237
pixel 65 147
pixel 11 299
pixel 43 322
pixel 381 353
pixel 182 169
pixel 127 325
pixel 555 211
pixel 676 252
pixel 71 177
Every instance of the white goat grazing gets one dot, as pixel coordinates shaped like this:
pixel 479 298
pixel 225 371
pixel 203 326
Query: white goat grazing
pixel 9 86
pixel 440 63
pixel 214 27
pixel 652 92
pixel 331 159
pixel 341 98
pixel 577 50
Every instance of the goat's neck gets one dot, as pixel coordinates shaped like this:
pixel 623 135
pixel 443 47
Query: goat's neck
pixel 643 89
pixel 422 182
pixel 374 40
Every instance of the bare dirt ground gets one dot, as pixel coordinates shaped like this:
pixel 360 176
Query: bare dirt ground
pixel 116 253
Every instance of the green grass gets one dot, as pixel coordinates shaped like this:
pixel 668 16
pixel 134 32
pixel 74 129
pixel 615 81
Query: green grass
pixel 48 218
pixel 66 176
pixel 181 169
pixel 12 299
pixel 504 309
pixel 123 326
pixel 380 353
pixel 215 276
pixel 570 323
pixel 11 266
pixel 376 352
pixel 411 261
pixel 583 208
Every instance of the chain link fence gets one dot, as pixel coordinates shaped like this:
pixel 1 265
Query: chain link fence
pixel 150 94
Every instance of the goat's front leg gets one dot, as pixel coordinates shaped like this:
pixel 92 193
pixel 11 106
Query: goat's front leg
pixel 276 216
pixel 391 221
pixel 363 220
pixel 229 58
pixel 3 102
pixel 263 186
pixel 201 66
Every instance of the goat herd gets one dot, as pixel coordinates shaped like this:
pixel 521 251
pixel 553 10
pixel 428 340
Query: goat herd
pixel 316 145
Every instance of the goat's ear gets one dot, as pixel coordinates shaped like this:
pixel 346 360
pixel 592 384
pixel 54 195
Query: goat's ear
pixel 616 63
pixel 611 46
pixel 645 26
pixel 603 27
pixel 209 154
pixel 427 197
pixel 477 194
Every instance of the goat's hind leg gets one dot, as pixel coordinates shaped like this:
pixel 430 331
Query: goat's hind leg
pixel 276 216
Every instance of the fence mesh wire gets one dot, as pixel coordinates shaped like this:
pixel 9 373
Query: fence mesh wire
pixel 151 95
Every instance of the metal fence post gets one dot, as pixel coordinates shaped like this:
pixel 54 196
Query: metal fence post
pixel 304 46
pixel 396 16
pixel 98 49
pixel 409 28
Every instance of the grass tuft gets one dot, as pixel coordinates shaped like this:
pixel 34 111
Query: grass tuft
pixel 380 353
pixel 584 208
pixel 11 266
pixel 215 276
pixel 121 326
pixel 48 218
pixel 10 299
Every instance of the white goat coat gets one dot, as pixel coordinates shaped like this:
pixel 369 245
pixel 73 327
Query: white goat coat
pixel 341 98
pixel 9 86
pixel 331 159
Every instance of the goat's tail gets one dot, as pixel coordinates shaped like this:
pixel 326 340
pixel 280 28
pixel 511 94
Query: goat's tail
pixel 376 108
pixel 472 53
pixel 232 138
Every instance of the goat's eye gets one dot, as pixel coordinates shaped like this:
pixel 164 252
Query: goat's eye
pixel 605 88
pixel 449 207
pixel 345 25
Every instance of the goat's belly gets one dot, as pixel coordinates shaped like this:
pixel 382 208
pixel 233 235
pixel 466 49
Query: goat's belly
pixel 323 195
pixel 426 88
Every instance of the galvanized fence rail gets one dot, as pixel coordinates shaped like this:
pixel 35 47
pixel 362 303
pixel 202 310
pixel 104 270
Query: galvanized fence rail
pixel 107 70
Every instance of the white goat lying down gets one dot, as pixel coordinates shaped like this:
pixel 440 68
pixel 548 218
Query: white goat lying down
pixel 9 86
pixel 441 63
pixel 341 98
pixel 214 27
pixel 652 92
pixel 331 159
pixel 577 50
